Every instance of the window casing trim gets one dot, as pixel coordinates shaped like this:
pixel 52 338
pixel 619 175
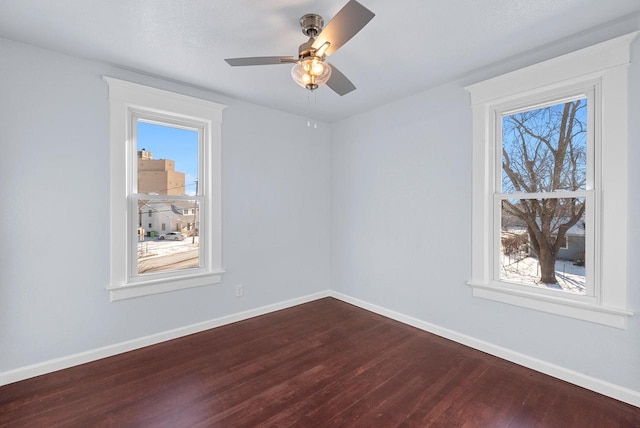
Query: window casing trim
pixel 129 101
pixel 605 68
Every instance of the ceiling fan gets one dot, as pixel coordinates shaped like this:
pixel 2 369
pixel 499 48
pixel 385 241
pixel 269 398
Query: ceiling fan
pixel 310 70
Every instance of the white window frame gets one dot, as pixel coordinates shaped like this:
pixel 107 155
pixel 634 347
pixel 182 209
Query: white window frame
pixel 604 69
pixel 565 244
pixel 128 103
pixel 590 90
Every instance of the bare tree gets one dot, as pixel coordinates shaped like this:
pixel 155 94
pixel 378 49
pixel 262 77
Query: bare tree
pixel 543 151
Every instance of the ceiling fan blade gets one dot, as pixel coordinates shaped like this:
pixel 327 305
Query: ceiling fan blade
pixel 261 60
pixel 339 82
pixel 346 24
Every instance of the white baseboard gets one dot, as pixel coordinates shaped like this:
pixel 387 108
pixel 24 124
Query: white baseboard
pixel 600 386
pixel 130 345
pixel 606 388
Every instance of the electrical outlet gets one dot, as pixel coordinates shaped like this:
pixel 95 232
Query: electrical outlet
pixel 239 290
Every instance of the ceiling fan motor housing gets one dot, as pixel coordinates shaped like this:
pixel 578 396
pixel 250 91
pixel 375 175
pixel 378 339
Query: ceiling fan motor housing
pixel 311 24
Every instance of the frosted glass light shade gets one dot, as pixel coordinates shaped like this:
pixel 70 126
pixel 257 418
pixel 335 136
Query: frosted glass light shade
pixel 311 73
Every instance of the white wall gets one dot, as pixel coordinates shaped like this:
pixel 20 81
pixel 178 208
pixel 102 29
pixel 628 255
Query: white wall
pixel 401 216
pixel 54 212
pixel 385 208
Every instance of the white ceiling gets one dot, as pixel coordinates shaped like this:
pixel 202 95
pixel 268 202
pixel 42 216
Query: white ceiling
pixel 409 46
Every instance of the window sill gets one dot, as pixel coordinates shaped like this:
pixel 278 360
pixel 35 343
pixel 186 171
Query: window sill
pixel 164 285
pixel 591 312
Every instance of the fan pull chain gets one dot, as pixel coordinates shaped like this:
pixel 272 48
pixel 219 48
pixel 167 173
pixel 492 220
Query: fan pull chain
pixel 310 123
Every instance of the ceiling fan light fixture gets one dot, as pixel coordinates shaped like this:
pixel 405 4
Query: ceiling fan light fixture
pixel 311 73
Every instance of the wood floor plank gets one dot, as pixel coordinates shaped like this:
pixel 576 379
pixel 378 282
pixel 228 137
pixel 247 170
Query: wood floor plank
pixel 346 385
pixel 325 363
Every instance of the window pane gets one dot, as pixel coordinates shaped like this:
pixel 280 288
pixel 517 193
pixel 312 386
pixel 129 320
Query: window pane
pixel 545 149
pixel 171 241
pixel 542 243
pixel 167 159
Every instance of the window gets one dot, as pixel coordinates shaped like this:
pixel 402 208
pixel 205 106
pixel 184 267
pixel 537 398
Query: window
pixel 165 161
pixel 543 189
pixel 550 185
pixel 564 242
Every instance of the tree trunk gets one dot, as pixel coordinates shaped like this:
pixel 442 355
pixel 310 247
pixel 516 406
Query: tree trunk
pixel 547 267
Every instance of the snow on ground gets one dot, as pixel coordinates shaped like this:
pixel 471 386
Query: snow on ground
pixel 527 271
pixel 523 271
pixel 153 247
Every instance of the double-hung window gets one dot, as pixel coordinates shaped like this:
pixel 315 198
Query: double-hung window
pixel 550 185
pixel 545 191
pixel 165 190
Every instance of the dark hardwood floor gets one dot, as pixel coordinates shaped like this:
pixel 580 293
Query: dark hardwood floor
pixel 321 364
